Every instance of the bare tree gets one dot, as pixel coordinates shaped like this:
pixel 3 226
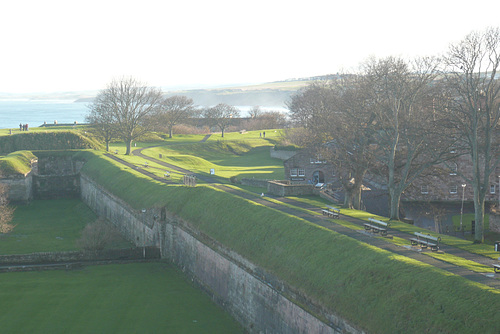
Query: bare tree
pixel 129 106
pixel 221 115
pixel 255 112
pixel 266 120
pixel 473 109
pixel 407 133
pixel 6 211
pixel 336 118
pixel 102 123
pixel 174 110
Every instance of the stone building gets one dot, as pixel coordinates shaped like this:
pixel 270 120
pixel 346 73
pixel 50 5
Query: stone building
pixel 442 183
pixel 304 168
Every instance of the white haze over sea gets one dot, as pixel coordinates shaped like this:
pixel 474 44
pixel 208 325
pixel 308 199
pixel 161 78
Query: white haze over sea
pixel 36 112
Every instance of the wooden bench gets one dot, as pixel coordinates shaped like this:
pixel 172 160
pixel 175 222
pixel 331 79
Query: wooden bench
pixel 496 267
pixel 331 211
pixel 425 240
pixel 376 226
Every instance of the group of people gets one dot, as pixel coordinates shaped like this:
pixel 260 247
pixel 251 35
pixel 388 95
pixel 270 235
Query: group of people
pixel 23 127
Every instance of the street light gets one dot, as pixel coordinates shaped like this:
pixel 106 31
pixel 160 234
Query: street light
pixel 462 209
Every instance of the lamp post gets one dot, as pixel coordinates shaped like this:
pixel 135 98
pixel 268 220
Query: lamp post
pixel 462 209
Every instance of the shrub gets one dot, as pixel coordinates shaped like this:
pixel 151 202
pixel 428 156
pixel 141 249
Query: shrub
pixel 97 236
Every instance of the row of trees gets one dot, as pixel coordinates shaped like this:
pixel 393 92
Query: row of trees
pixel 397 119
pixel 127 109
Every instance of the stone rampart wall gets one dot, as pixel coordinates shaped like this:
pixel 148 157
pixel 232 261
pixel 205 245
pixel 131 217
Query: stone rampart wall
pixel 254 183
pixel 260 302
pixel 20 188
pixel 77 256
pixel 284 188
pixel 138 226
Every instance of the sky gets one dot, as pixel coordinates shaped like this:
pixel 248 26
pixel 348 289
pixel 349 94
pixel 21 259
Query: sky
pixel 61 45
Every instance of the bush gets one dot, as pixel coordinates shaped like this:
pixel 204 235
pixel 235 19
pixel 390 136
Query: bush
pixel 97 236
pixel 183 129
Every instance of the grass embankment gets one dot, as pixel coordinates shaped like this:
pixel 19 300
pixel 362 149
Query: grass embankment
pixel 47 140
pixel 236 155
pixel 16 163
pixel 375 289
pixel 126 298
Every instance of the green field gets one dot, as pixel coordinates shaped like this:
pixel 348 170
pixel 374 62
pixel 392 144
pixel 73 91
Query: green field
pixel 126 298
pixel 131 298
pixel 46 226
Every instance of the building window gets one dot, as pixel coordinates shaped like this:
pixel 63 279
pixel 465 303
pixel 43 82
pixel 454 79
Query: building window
pixel 492 189
pixel 453 189
pixel 424 189
pixel 302 172
pixel 453 169
pixel 293 172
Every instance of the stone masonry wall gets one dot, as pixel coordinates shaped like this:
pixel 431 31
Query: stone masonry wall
pixel 138 226
pixel 259 301
pixel 284 188
pixel 20 188
pixel 495 222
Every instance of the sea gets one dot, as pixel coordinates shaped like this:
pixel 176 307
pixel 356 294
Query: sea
pixel 38 112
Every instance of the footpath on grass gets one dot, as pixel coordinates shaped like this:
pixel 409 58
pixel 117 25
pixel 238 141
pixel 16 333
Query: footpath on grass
pixel 301 209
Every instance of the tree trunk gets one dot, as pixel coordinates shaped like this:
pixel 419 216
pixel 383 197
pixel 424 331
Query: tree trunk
pixel 348 198
pixel 129 146
pixel 394 204
pixel 357 199
pixel 170 131
pixel 479 217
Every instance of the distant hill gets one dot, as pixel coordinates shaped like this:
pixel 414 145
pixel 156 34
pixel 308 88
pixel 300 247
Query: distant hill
pixel 272 94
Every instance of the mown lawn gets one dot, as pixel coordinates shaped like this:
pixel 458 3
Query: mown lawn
pixel 236 155
pixel 125 298
pixel 47 226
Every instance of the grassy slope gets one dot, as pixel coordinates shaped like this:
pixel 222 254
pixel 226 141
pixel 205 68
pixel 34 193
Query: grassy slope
pixel 47 140
pixel 240 155
pixel 158 299
pixel 376 289
pixel 16 163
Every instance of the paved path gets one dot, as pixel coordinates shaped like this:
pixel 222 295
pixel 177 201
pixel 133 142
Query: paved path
pixel 491 280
